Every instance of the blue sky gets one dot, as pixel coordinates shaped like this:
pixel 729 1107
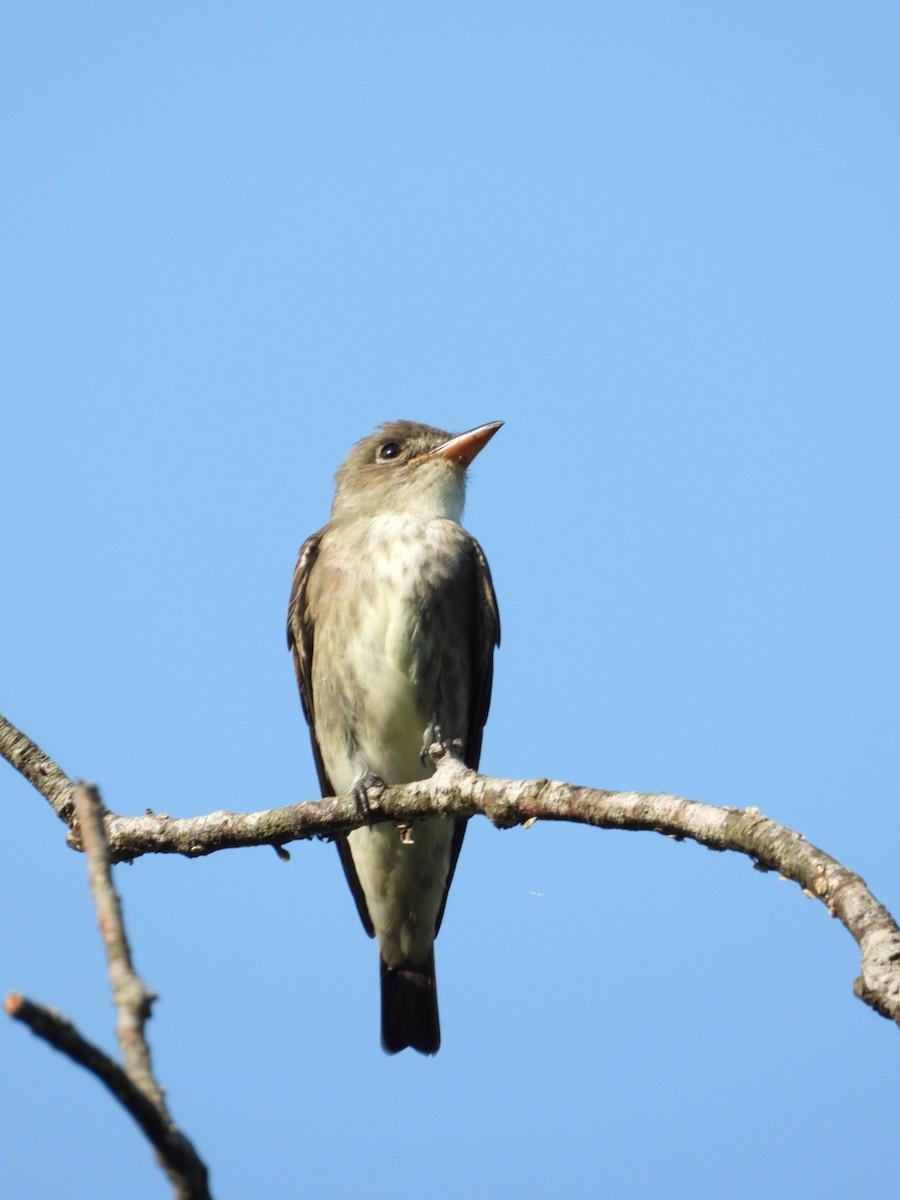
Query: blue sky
pixel 660 242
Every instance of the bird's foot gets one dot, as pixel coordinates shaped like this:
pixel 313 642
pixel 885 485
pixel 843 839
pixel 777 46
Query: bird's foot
pixel 435 747
pixel 366 803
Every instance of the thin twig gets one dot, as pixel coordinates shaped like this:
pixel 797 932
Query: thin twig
pixel 133 1001
pixel 60 1033
pixel 39 769
pixel 134 1086
pixel 131 996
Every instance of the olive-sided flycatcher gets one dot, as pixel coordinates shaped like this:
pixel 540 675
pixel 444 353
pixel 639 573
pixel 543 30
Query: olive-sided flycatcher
pixel 393 623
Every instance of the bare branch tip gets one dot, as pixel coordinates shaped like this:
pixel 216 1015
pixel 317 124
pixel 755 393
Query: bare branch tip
pixel 13 1004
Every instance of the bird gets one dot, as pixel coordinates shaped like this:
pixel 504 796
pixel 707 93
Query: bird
pixel 392 624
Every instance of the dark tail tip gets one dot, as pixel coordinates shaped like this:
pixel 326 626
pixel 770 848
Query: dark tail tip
pixel 409 1011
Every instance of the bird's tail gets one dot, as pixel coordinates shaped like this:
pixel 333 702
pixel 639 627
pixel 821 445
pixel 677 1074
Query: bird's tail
pixel 409 1011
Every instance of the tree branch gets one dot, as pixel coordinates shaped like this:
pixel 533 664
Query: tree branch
pixel 39 769
pixel 60 1033
pixel 135 1087
pixel 131 996
pixel 454 791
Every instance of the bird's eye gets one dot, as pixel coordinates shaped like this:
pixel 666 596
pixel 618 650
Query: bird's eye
pixel 389 450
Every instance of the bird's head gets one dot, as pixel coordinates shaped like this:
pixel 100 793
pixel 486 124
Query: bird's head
pixel 408 468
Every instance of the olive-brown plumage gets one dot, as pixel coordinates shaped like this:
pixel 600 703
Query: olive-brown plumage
pixel 392 623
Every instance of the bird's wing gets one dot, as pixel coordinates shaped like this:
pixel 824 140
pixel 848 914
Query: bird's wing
pixel 300 633
pixel 300 636
pixel 485 637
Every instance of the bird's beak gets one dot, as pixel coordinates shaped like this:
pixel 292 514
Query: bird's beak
pixel 463 447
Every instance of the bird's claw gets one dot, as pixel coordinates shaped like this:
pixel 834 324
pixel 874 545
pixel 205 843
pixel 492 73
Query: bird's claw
pixel 369 782
pixel 434 746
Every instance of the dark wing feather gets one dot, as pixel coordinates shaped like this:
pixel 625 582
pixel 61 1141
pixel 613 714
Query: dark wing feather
pixel 300 637
pixel 485 636
pixel 343 848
